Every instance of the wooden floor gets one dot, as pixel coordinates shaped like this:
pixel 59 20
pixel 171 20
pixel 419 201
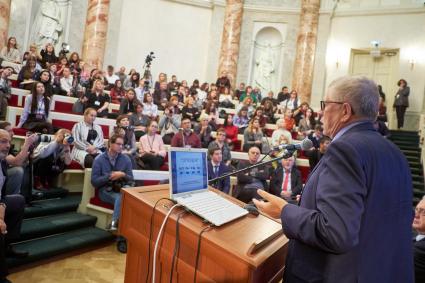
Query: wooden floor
pixel 105 265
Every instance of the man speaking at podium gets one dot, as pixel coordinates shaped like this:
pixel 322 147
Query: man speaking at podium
pixel 353 223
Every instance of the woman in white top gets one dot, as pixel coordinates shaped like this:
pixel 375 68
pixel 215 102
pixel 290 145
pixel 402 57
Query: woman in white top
pixel 88 139
pixel 36 111
pixel 152 150
pixel 149 108
pixel 10 52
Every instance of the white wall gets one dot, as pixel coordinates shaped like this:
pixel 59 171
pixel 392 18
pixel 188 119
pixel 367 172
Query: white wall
pixel 177 33
pixel 405 32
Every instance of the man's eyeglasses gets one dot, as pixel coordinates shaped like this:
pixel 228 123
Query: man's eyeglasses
pixel 323 103
pixel 420 211
pixel 120 144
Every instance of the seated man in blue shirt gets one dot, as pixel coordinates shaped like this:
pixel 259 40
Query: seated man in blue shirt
pixel 111 171
pixel 216 168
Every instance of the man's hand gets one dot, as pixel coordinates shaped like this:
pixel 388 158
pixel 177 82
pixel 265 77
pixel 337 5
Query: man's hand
pixel 274 205
pixel 30 140
pixel 115 175
pixel 3 227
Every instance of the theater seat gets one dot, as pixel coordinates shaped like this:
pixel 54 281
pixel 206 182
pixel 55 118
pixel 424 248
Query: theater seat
pixel 20 131
pixel 305 171
pixel 74 165
pixel 268 132
pixel 63 124
pixel 96 201
pixel 237 145
pixel 13 100
pixel 63 107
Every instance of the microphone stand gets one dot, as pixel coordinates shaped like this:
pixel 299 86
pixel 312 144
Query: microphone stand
pixel 286 154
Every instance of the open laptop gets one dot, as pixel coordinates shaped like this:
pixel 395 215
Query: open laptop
pixel 189 187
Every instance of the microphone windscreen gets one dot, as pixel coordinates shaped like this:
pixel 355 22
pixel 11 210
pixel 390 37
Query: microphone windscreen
pixel 306 144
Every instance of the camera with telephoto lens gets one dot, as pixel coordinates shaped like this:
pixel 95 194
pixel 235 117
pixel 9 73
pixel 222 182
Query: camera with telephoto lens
pixel 117 185
pixel 44 138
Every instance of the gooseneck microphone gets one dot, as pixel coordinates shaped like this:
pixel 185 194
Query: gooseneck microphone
pixel 305 144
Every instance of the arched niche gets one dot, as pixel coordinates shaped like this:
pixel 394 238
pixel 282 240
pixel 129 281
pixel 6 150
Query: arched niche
pixel 267 55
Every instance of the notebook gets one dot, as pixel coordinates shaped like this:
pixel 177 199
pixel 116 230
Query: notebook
pixel 189 187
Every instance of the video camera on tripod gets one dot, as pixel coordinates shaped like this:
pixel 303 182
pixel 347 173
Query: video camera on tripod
pixel 147 66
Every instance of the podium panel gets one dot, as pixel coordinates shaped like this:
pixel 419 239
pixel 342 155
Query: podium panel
pixel 249 249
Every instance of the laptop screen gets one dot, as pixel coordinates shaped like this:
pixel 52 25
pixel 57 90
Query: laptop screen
pixel 188 168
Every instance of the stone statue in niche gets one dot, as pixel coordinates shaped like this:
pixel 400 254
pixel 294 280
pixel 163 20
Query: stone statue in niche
pixel 47 27
pixel 265 68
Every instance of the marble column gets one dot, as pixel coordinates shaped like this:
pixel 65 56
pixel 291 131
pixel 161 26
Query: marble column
pixel 302 78
pixel 229 51
pixel 4 21
pixel 95 33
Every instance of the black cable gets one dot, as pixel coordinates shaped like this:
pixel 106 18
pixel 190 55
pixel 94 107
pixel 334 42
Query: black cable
pixel 176 245
pixel 199 250
pixel 150 235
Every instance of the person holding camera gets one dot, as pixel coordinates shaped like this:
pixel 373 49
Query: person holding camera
pixel 11 212
pixel 50 159
pixel 124 129
pixel 112 171
pixel 169 124
pixel 36 111
pixel 17 170
pixel 88 139
pixel 5 90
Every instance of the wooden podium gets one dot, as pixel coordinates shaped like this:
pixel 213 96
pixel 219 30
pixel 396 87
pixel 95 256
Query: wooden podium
pixel 224 255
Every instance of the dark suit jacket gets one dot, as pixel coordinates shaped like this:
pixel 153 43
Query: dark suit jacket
pixel 355 215
pixel 247 177
pixel 314 157
pixel 419 260
pixel 223 184
pixel 277 180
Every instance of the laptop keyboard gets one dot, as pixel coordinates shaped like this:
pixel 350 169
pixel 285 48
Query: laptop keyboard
pixel 212 207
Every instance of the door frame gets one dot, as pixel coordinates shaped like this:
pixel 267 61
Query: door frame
pixel 393 77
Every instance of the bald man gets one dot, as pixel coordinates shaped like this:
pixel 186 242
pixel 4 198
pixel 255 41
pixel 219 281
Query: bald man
pixel 11 211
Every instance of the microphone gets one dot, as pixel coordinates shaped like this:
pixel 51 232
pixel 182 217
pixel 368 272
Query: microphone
pixel 305 144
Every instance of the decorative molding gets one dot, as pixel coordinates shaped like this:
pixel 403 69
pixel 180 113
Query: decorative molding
pixel 199 3
pixel 379 11
pixel 345 12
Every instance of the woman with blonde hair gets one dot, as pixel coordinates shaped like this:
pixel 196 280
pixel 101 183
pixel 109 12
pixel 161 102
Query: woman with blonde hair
pixel 253 135
pixel 88 139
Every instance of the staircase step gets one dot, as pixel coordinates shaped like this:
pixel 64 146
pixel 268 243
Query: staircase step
pixel 417 178
pixel 45 248
pixel 49 194
pixel 419 185
pixel 413 158
pixel 417 171
pixel 414 164
pixel 59 223
pixel 53 206
pixel 405 143
pixel 403 133
pixel 407 152
pixel 410 148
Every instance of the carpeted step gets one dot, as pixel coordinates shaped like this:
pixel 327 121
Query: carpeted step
pixel 414 164
pixel 403 133
pixel 53 206
pixel 417 178
pixel 407 152
pixel 413 158
pixel 419 185
pixel 55 224
pixel 409 148
pixel 44 248
pixel 416 171
pixel 49 194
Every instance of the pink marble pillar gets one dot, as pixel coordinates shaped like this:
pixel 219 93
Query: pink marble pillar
pixel 302 78
pixel 4 21
pixel 95 33
pixel 229 52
